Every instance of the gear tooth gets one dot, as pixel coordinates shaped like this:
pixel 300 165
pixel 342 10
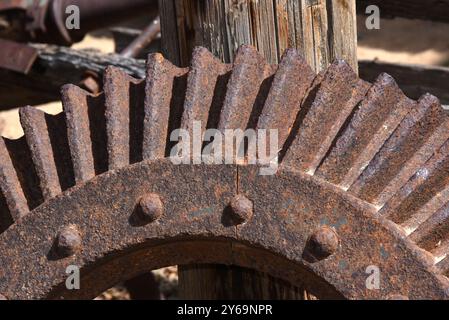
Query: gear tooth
pixel 165 88
pixel 371 140
pixel 124 97
pixel 423 194
pixel 291 83
pixel 206 84
pixel 23 165
pixel 57 132
pixel 243 102
pixel 35 127
pixel 86 130
pixel 13 204
pixel 376 117
pixel 412 220
pixel 433 234
pixel 420 134
pixel 323 115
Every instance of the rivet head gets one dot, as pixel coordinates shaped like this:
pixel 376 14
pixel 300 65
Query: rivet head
pixel 68 241
pixel 323 243
pixel 241 208
pixel 151 208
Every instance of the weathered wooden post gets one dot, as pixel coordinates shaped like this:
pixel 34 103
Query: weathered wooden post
pixel 322 30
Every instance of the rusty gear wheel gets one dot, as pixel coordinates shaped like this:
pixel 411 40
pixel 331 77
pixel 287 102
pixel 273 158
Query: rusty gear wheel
pixel 363 182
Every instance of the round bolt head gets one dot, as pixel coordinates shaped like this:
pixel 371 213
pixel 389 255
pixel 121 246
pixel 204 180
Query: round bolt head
pixel 241 208
pixel 68 241
pixel 151 208
pixel 323 243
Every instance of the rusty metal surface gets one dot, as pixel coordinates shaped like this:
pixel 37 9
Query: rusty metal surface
pixel 206 87
pixel 372 123
pixel 416 139
pixel 293 207
pixel 194 209
pixel 339 86
pixel 363 182
pixel 288 91
pixel 243 101
pixel 163 108
pixel 16 56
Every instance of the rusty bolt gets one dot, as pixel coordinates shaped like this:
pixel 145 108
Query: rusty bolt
pixel 241 208
pixel 323 243
pixel 151 208
pixel 68 241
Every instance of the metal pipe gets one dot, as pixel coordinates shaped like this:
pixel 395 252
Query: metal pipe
pixel 143 40
pixel 91 82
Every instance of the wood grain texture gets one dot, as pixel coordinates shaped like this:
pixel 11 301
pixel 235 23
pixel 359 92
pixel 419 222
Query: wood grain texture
pixel 323 30
pixel 169 31
pixel 234 283
pixel 343 34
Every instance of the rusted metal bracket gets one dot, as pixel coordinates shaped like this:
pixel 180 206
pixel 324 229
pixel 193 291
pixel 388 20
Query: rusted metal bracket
pixel 16 56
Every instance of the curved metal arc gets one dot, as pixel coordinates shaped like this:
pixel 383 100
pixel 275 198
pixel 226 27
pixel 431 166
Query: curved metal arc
pixel 288 207
pixel 113 269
